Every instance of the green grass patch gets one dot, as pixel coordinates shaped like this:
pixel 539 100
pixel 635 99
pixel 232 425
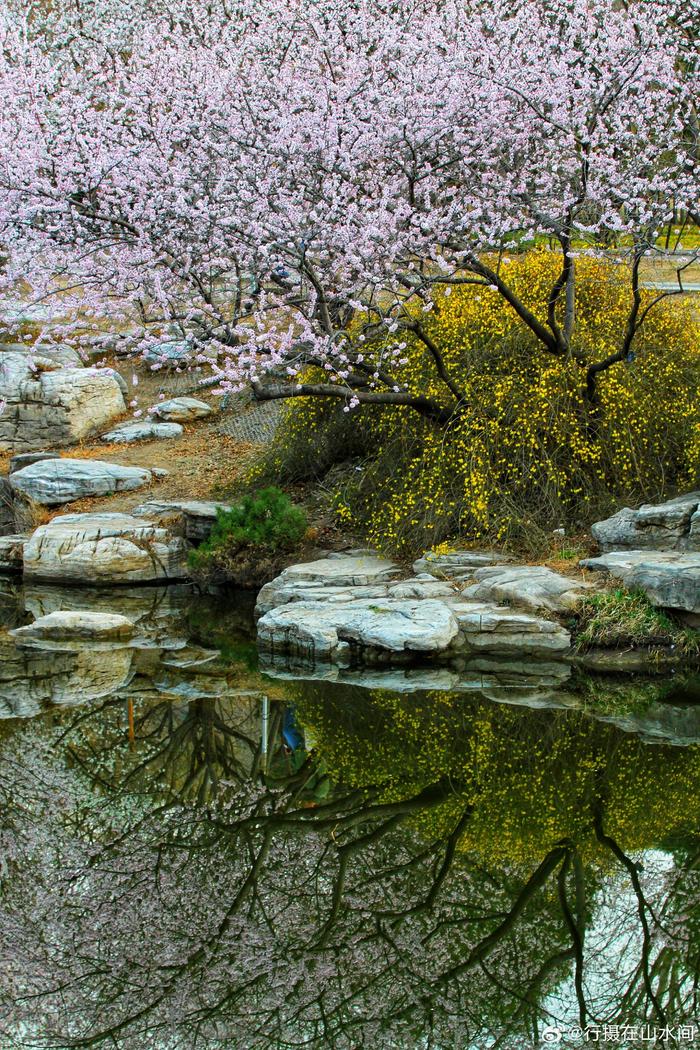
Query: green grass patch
pixel 623 619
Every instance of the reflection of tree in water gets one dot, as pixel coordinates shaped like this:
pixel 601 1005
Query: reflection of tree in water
pixel 474 872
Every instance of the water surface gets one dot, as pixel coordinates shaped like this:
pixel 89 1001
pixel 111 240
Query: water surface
pixel 196 853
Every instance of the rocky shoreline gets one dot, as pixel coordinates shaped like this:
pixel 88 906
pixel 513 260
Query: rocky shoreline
pixel 338 610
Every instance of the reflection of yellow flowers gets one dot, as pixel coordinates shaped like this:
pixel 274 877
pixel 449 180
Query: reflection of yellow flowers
pixel 532 779
pixel 523 444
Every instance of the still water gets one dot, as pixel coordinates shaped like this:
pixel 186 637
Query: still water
pixel 197 852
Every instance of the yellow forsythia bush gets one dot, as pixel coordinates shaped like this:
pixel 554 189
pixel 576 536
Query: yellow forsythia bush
pixel 524 456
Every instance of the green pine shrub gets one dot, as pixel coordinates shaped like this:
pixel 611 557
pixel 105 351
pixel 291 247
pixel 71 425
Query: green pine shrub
pixel 250 542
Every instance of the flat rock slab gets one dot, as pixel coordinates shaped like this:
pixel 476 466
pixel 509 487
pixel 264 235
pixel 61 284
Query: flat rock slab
pixel 104 548
pixel 77 625
pixel 532 586
pixel 457 565
pixel 194 519
pixel 485 627
pixel 319 628
pixel 674 525
pixel 128 433
pixel 326 579
pixel 670 579
pixel 55 481
pixel 181 409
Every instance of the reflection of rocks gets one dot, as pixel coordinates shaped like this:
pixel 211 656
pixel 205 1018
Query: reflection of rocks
pixel 128 433
pixel 181 409
pixel 660 723
pixel 30 678
pixel 55 481
pixel 104 548
pixel 51 405
pixel 674 525
pixel 152 608
pixel 670 579
pixel 534 586
pixel 533 681
pixel 76 626
pixel 347 607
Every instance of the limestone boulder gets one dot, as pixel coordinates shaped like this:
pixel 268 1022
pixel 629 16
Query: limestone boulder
pixel 104 549
pixel 181 410
pixel 55 481
pixel 47 404
pixel 670 526
pixel 193 519
pixel 530 586
pixel 25 459
pixel 315 579
pixel 321 628
pixel 16 513
pixel 128 433
pixel 12 553
pixel 175 353
pixel 486 627
pixel 670 579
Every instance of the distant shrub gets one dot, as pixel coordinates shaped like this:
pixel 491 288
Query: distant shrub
pixel 248 541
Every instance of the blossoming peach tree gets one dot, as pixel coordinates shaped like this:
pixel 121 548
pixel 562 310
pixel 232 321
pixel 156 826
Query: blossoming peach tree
pixel 277 185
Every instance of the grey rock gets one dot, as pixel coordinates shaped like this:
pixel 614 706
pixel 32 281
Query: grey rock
pixel 532 586
pixel 421 589
pixel 25 459
pixel 193 519
pixel 104 548
pixel 176 353
pixel 62 355
pixel 16 513
pixel 391 624
pixel 457 565
pixel 128 433
pixel 674 525
pixel 485 627
pixel 49 405
pixel 119 380
pixel 55 481
pixel 170 353
pixel 181 409
pixel 340 573
pixel 670 579
pixel 323 610
pixel 12 553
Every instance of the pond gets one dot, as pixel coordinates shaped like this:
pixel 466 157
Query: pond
pixel 197 852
